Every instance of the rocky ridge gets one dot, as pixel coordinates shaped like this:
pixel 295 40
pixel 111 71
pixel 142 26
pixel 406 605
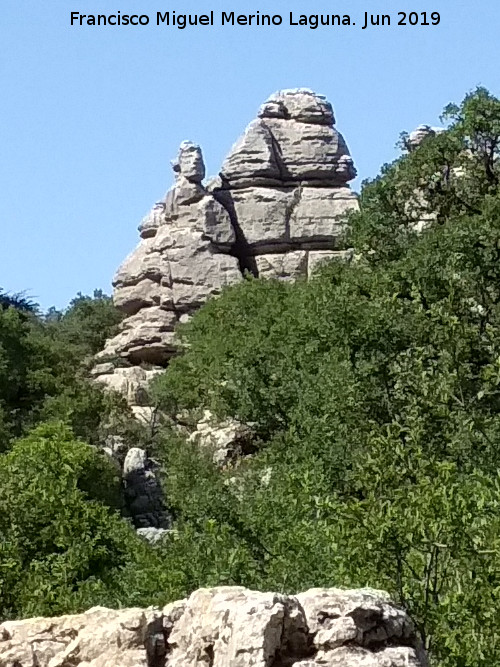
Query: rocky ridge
pixel 224 627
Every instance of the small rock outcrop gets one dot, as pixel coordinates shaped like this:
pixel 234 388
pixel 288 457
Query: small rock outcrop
pixel 224 627
pixel 275 210
pixel 420 133
pixel 144 500
pixel 226 441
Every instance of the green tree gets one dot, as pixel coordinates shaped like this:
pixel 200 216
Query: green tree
pixel 44 364
pixel 63 544
pixel 56 522
pixel 374 393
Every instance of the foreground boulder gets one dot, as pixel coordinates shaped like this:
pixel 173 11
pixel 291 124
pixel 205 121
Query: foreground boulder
pixel 224 627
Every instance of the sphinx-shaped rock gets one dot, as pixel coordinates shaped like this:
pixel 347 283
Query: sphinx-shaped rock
pixel 222 627
pixel 276 210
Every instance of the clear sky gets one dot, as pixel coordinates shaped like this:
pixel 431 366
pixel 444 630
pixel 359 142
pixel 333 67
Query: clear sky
pixel 90 117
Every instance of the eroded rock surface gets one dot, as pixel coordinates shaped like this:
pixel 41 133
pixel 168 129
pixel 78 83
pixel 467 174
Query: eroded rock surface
pixel 226 441
pixel 224 627
pixel 275 210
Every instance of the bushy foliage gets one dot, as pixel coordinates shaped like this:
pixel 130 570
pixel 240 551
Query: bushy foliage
pixel 451 174
pixel 63 544
pixel 44 362
pixel 374 393
pixel 87 322
pixel 55 526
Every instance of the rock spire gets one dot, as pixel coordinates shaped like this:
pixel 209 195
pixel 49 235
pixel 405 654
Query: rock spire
pixel 275 210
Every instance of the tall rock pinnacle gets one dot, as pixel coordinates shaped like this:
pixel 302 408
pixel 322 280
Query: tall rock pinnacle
pixel 275 210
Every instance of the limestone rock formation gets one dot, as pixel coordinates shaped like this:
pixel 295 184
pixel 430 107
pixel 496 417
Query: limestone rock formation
pixel 224 627
pixel 181 260
pixel 131 382
pixel 420 133
pixel 226 441
pixel 418 207
pixel 275 210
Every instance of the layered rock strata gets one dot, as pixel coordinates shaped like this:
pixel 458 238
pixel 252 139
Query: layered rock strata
pixel 224 627
pixel 275 210
pixel 182 259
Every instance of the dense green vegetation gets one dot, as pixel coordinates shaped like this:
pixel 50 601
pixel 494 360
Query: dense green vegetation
pixel 374 394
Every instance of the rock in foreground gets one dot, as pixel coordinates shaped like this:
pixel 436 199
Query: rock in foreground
pixel 224 627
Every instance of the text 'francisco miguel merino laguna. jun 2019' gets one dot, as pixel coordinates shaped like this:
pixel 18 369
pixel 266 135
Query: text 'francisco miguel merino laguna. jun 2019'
pixel 258 19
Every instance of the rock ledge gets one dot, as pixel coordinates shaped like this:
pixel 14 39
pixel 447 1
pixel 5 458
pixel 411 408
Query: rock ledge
pixel 224 627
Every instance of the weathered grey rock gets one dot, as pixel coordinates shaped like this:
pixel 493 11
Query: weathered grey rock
pixel 146 336
pixel 254 156
pixel 300 104
pixel 198 272
pixel 420 133
pixel 263 215
pixel 145 414
pixel 225 440
pixel 190 161
pixel 317 217
pixel 132 298
pixel 145 262
pixel 282 194
pixel 310 151
pixel 186 192
pixel 98 638
pixel 131 382
pixel 152 220
pixel 224 627
pixel 153 535
pixel 217 226
pixel 366 617
pixel 102 369
pixel 293 139
pixel 135 462
pixel 286 266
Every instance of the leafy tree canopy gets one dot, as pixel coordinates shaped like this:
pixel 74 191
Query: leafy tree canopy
pixel 374 393
pixel 44 362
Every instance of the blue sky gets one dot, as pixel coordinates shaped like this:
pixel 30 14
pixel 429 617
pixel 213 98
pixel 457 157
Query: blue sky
pixel 92 116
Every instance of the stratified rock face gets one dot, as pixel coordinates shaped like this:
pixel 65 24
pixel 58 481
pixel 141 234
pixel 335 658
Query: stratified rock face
pixel 224 627
pixel 275 210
